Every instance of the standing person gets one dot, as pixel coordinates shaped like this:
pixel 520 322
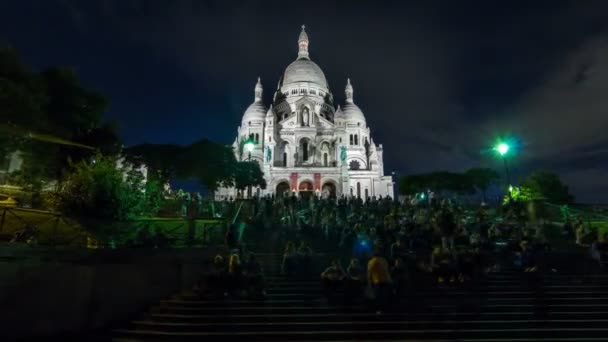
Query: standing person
pixel 379 281
pixel 231 239
pixel 288 264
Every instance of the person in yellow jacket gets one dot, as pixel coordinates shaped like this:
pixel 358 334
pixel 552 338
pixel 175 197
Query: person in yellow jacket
pixel 379 281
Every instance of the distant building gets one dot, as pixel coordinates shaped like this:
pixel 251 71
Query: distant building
pixel 304 144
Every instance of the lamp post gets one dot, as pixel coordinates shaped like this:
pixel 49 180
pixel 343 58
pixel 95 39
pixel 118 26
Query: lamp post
pixel 249 146
pixel 503 150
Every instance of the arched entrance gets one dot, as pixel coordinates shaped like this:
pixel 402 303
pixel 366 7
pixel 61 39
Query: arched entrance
pixel 306 189
pixel 282 189
pixel 328 190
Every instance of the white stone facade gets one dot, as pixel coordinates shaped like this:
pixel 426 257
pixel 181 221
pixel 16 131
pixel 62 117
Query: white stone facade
pixel 306 145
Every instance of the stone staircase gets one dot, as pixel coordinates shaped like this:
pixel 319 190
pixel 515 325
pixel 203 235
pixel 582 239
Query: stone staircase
pixel 501 307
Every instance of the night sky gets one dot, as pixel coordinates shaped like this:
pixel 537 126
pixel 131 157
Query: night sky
pixel 438 81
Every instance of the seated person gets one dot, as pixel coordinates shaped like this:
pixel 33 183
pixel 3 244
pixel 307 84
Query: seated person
pixel 354 279
pixel 234 279
pixel 599 249
pixel 332 277
pixel 216 279
pixel 443 265
pixel 304 257
pixel 400 275
pixel 526 258
pixel 468 263
pixel 254 276
pixel 399 248
pixel 288 266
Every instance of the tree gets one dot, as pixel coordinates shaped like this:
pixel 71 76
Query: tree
pixel 22 97
pixel 98 195
pixel 549 186
pixel 45 115
pixel 210 163
pixel 162 160
pixel 248 173
pixel 481 179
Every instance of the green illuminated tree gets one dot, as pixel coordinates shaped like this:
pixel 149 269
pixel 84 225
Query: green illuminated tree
pixel 549 186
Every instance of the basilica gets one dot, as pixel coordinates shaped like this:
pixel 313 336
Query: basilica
pixel 306 145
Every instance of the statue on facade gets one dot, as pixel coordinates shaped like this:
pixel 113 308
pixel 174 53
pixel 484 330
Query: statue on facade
pixel 305 116
pixel 343 154
pixel 268 154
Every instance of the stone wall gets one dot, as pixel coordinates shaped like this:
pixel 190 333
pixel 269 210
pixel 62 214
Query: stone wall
pixel 43 294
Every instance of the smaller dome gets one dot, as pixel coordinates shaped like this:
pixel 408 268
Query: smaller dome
pixel 339 114
pixel 256 111
pixel 352 112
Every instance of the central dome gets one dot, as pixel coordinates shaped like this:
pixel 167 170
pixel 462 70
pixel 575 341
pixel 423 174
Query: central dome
pixel 304 70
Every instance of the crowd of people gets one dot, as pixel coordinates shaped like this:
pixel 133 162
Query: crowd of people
pixel 389 243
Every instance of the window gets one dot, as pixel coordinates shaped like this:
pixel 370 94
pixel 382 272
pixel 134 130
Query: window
pixel 325 159
pixel 284 159
pixel 305 151
pixel 269 138
pixel 257 138
pixel 354 165
pixel 313 92
pixel 358 190
pixel 340 139
pixel 366 193
pixel 351 140
pixel 302 92
pixel 356 139
pixel 321 93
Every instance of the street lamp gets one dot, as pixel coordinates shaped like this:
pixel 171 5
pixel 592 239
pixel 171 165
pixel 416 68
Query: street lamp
pixel 249 146
pixel 503 149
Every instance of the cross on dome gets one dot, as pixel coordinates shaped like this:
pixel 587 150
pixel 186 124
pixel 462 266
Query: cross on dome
pixel 349 91
pixel 303 43
pixel 258 91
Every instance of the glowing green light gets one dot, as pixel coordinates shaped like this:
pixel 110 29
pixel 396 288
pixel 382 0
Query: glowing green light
pixel 502 149
pixel 510 188
pixel 249 146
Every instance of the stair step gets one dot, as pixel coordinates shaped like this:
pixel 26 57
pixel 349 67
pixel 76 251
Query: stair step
pixel 377 335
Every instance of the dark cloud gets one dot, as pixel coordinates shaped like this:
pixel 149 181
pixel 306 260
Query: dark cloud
pixel 437 80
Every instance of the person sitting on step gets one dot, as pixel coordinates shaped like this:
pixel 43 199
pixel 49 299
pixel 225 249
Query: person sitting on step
pixel 234 279
pixel 354 280
pixel 254 276
pixel 217 277
pixel 400 275
pixel 288 265
pixel 332 278
pixel 304 257
pixel 443 265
